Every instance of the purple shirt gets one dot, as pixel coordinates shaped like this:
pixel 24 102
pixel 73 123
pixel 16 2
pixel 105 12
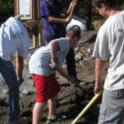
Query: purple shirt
pixel 54 9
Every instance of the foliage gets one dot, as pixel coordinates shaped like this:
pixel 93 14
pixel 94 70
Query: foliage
pixel 84 9
pixel 6 7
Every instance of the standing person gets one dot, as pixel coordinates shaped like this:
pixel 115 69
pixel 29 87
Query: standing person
pixel 54 26
pixel 43 64
pixel 109 47
pixel 13 37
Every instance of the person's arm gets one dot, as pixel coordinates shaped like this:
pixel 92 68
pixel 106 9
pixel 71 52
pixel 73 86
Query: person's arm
pixel 54 49
pixel 52 19
pixel 99 70
pixel 72 6
pixel 64 74
pixel 46 12
pixel 19 67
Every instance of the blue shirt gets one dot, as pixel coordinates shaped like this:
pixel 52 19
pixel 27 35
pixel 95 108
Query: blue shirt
pixel 13 37
pixel 54 9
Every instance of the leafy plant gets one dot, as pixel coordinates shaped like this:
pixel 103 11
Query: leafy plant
pixel 6 7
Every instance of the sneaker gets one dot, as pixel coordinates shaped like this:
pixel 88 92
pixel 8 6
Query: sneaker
pixel 51 120
pixel 20 81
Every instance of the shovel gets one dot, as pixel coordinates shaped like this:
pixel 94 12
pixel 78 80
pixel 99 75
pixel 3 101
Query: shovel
pixel 88 106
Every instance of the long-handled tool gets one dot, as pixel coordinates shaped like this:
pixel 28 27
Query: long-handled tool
pixel 81 114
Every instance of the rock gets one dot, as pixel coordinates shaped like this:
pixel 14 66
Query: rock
pixel 78 56
pixel 76 49
pixel 82 83
pixel 97 24
pixel 89 50
pixel 25 92
pixel 26 74
pixel 2 99
pixel 2 81
pixel 71 99
pixel 27 87
pixel 5 91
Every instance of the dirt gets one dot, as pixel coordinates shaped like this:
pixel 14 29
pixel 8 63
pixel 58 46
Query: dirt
pixel 71 100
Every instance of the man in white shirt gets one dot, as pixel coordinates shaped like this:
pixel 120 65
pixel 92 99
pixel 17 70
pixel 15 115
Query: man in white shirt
pixel 14 37
pixel 109 47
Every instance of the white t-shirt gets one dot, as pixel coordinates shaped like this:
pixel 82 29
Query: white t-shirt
pixel 77 22
pixel 40 60
pixel 13 37
pixel 110 46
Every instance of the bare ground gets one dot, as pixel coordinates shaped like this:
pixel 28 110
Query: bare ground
pixel 71 100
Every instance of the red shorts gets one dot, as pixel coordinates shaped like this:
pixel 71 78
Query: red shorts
pixel 46 87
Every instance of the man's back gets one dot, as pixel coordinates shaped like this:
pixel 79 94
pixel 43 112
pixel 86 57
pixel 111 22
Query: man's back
pixel 111 47
pixel 13 37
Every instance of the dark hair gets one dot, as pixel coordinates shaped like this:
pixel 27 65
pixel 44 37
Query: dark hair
pixel 76 31
pixel 32 26
pixel 108 3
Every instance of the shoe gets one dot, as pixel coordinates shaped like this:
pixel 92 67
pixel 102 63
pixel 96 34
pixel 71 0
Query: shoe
pixel 20 81
pixel 51 120
pixel 57 118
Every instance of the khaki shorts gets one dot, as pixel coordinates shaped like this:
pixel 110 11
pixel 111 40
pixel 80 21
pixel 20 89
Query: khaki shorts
pixel 112 107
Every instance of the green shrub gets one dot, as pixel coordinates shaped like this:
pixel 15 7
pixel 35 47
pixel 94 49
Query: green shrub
pixel 6 7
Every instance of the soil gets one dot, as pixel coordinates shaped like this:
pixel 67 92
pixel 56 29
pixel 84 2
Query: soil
pixel 71 99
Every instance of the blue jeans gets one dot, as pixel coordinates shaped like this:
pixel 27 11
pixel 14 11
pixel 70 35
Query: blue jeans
pixel 8 72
